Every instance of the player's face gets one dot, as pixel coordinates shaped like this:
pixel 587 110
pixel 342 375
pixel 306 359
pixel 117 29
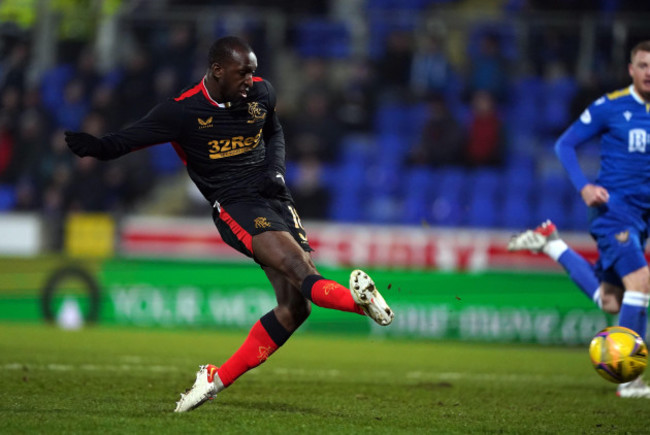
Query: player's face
pixel 639 70
pixel 236 76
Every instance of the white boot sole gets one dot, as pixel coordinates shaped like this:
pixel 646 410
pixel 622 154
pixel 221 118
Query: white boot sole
pixel 365 294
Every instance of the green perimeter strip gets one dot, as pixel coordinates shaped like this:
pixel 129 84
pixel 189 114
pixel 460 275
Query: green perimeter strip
pixel 23 279
pixel 474 306
pixel 25 276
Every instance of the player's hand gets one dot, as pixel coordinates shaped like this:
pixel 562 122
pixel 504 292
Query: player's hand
pixel 272 184
pixel 594 195
pixel 82 144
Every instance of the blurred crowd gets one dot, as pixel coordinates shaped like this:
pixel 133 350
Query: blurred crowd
pixel 407 108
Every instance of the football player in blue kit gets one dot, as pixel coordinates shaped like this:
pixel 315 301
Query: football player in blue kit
pixel 618 202
pixel 226 130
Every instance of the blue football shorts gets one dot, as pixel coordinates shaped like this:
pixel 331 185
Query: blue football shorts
pixel 620 230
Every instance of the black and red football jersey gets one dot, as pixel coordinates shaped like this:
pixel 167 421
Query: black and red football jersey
pixel 227 148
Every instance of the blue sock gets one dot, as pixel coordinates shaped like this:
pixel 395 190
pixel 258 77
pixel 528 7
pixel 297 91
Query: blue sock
pixel 580 272
pixel 633 313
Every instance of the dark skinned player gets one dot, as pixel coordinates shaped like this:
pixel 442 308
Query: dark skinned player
pixel 227 132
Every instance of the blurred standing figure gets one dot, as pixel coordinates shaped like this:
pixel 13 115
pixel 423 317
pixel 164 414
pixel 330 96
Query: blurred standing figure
pixel 618 201
pixel 430 68
pixel 485 145
pixel 226 130
pixel 442 139
pixel 489 69
pixel 394 67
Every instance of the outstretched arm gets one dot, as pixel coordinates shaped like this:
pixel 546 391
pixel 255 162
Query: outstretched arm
pixel 158 126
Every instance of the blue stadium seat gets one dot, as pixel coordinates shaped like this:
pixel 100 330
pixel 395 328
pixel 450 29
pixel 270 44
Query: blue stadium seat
pixel 518 180
pixel 486 180
pixel 516 211
pixel 381 209
pixel 550 207
pixel 419 182
pixel 392 119
pixel 556 108
pixel 482 211
pixel 164 159
pixel 417 115
pixel 577 219
pixel 346 206
pixel 506 35
pixel 418 190
pixel 448 207
pixel 555 184
pixel 384 177
pixel 347 193
pixel 392 147
pixel 415 210
pixel 53 84
pixel 381 25
pixel 7 197
pixel 483 198
pixel 401 5
pixel 356 148
pixel 526 103
pixel 322 38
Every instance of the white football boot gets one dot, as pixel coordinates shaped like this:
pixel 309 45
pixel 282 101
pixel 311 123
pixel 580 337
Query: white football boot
pixel 365 294
pixel 634 389
pixel 205 388
pixel 534 240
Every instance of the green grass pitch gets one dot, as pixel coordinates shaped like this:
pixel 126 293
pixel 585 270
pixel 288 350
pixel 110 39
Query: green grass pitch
pixel 119 380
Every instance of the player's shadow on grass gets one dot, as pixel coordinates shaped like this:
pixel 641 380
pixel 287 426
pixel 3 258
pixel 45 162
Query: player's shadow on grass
pixel 289 408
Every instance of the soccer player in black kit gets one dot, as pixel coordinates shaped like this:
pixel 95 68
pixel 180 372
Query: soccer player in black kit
pixel 227 132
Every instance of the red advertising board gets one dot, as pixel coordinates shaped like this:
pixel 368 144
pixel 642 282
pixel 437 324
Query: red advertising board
pixel 398 247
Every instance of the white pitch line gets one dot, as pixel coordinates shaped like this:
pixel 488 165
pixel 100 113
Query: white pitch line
pixel 490 377
pixel 90 367
pixel 292 372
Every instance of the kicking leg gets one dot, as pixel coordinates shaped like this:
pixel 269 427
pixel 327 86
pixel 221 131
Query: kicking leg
pixel 280 251
pixel 545 238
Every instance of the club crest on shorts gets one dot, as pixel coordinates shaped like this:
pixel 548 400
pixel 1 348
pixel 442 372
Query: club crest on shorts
pixel 261 222
pixel 623 236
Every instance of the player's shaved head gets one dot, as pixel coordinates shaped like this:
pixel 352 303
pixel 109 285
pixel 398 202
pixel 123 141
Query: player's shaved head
pixel 222 49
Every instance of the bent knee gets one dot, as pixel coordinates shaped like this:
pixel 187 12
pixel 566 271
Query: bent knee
pixel 295 312
pixel 612 309
pixel 295 265
pixel 610 304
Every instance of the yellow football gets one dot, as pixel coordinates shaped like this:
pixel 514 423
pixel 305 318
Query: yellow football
pixel 618 354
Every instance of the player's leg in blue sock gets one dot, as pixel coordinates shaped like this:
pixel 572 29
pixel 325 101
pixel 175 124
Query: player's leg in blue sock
pixel 581 273
pixel 580 270
pixel 634 310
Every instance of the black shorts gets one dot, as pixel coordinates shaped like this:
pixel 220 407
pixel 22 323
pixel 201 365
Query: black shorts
pixel 239 222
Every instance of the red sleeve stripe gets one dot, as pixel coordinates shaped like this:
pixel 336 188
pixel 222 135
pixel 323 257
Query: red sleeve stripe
pixel 180 152
pixel 193 91
pixel 241 234
pixel 257 79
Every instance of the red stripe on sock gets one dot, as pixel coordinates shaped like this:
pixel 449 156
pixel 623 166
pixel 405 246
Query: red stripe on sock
pixel 330 294
pixel 257 347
